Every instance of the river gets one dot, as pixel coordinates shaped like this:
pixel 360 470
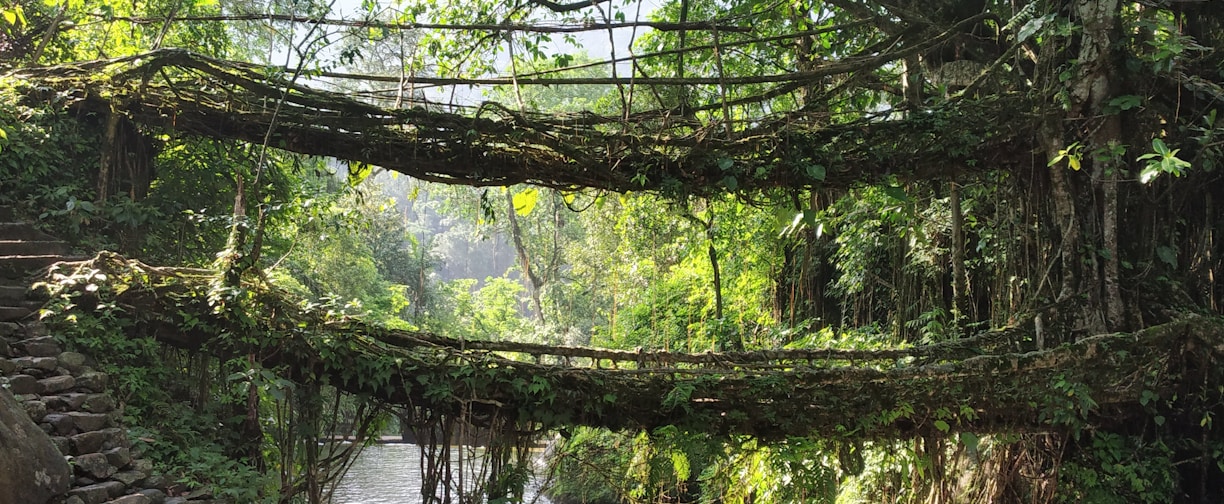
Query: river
pixel 391 474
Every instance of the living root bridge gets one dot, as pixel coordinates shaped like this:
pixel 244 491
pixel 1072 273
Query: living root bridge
pixel 1105 381
pixel 495 145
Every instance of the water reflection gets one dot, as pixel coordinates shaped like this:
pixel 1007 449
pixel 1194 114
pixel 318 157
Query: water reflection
pixel 391 474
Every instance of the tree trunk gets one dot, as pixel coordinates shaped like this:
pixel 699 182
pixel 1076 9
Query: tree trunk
pixel 960 278
pixel 1093 90
pixel 533 281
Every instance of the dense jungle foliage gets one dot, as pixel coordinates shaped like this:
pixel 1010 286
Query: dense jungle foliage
pixel 1046 164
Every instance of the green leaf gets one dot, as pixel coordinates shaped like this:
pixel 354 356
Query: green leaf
pixel 10 16
pixel 897 193
pixel 730 182
pixel 816 171
pixel 942 426
pixel 1032 27
pixel 1167 255
pixel 725 164
pixel 970 440
pixel 358 172
pixel 1126 102
pixel 525 201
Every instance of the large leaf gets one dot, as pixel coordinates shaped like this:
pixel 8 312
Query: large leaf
pixel 525 201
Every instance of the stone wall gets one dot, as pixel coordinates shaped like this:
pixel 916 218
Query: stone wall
pixel 68 400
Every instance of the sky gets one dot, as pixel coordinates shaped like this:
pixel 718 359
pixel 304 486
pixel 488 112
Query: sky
pixel 596 44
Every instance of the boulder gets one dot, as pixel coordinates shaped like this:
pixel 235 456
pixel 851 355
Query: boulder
pixel 94 465
pixel 62 424
pixel 89 442
pixel 24 384
pixel 57 383
pixel 89 421
pixel 44 363
pixel 132 499
pixel 93 381
pixel 35 408
pixel 32 469
pixel 129 478
pixel 73 400
pixel 155 496
pixel 72 361
pixel 44 346
pixel 98 403
pixel 98 493
pixel 119 457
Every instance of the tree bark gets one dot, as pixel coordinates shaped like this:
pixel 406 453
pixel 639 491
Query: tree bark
pixel 960 278
pixel 1094 88
pixel 534 283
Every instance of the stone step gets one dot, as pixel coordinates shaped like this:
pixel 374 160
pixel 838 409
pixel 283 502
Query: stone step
pixel 33 247
pixel 23 231
pixel 21 266
pixel 14 295
pixel 14 313
pixel 7 214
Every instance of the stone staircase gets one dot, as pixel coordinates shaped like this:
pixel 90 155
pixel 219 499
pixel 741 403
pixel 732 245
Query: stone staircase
pixel 23 250
pixel 68 412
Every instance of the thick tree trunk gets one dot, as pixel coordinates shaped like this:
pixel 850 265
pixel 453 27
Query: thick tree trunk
pixel 960 278
pixel 1093 90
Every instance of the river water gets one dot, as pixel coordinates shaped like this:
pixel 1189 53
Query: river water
pixel 391 474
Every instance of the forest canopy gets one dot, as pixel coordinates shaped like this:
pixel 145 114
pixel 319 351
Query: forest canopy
pixel 694 175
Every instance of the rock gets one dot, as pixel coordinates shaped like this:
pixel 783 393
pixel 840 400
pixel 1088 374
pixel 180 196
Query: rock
pixel 129 478
pixel 200 494
pixel 98 493
pixel 119 457
pixel 57 383
pixel 94 465
pixel 89 442
pixel 89 421
pixel 61 424
pixel 32 469
pixel 55 403
pixel 92 381
pixel 132 499
pixel 72 361
pixel 98 403
pixel 33 331
pixel 73 400
pixel 43 349
pixel 74 500
pixel 7 367
pixel 115 437
pixel 156 481
pixel 44 363
pixel 62 444
pixel 44 346
pixel 143 465
pixel 24 384
pixel 35 408
pixel 175 500
pixel 155 496
pixel 9 329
